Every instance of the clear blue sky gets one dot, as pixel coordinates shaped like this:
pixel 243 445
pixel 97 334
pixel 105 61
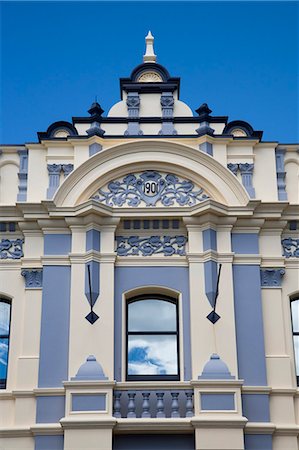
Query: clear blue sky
pixel 239 57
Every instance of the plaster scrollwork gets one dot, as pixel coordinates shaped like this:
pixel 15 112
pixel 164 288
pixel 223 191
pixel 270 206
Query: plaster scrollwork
pixel 147 246
pixel 150 188
pixel 233 167
pixel 11 249
pixel 33 278
pixel 133 101
pixel 167 101
pixel 290 247
pixel 272 277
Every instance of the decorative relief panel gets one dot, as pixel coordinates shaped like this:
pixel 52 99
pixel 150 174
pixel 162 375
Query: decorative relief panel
pixel 150 77
pixel 33 278
pixel 147 246
pixel 272 277
pixel 150 188
pixel 11 249
pixel 290 247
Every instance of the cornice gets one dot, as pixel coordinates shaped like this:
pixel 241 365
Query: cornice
pixel 247 259
pixel 286 429
pixel 259 428
pixel 210 421
pixel 256 389
pixel 53 226
pixel 84 209
pixel 142 385
pixel 155 424
pixel 46 429
pixel 273 261
pixel 285 391
pixel 291 263
pixel 270 209
pixel 55 260
pixel 11 264
pixel 85 384
pixel 151 261
pixel 207 383
pixel 85 423
pixel 92 255
pixel 288 147
pixel 31 263
pixel 48 391
pixel 15 432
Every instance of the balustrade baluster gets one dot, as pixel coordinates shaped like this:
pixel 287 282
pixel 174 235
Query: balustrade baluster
pixel 189 404
pixel 175 404
pixel 131 405
pixel 145 405
pixel 117 412
pixel 160 404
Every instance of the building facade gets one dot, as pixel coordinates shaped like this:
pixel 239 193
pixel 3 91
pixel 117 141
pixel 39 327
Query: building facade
pixel 149 280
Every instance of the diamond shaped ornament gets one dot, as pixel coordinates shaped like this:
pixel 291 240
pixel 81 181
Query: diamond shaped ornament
pixel 213 316
pixel 92 317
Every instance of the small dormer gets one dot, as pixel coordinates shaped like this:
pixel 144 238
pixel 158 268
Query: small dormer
pixel 150 91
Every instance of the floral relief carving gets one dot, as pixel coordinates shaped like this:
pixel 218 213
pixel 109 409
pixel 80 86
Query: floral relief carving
pixel 290 247
pixel 149 188
pixel 147 246
pixel 11 249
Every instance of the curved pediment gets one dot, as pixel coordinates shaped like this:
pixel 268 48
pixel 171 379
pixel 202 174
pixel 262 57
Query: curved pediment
pixel 192 176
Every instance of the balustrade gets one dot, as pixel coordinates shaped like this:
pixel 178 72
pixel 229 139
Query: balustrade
pixel 150 403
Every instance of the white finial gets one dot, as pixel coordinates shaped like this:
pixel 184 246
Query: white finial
pixel 149 51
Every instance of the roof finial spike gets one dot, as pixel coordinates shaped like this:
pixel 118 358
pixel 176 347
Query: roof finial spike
pixel 149 55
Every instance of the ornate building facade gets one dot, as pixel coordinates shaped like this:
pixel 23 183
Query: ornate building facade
pixel 149 293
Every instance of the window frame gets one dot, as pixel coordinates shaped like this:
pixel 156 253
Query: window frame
pixel 176 333
pixel 3 381
pixel 294 333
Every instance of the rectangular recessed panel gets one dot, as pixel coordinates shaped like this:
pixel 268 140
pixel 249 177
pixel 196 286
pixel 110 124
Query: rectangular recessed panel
pixel 217 402
pixel 89 402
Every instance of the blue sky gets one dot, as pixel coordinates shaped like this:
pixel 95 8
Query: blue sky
pixel 239 57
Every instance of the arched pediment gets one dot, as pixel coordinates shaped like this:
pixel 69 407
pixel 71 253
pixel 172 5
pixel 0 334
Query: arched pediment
pixel 189 165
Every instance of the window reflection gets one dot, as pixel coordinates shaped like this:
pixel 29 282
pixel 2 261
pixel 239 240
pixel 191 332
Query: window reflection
pixel 152 355
pixel 152 338
pixel 295 325
pixel 296 350
pixel 152 315
pixel 4 340
pixel 295 315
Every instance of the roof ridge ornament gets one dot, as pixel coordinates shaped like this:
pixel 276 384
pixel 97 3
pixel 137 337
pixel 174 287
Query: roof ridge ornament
pixel 149 56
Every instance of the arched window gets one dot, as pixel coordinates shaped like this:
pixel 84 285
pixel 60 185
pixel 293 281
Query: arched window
pixel 295 325
pixel 5 308
pixel 152 338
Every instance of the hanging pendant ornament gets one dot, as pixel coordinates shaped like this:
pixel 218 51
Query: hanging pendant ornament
pixel 92 317
pixel 213 316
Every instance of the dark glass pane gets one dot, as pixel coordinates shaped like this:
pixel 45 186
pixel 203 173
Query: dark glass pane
pixel 151 315
pixel 4 318
pixel 296 349
pixel 295 315
pixel 152 355
pixel 3 357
